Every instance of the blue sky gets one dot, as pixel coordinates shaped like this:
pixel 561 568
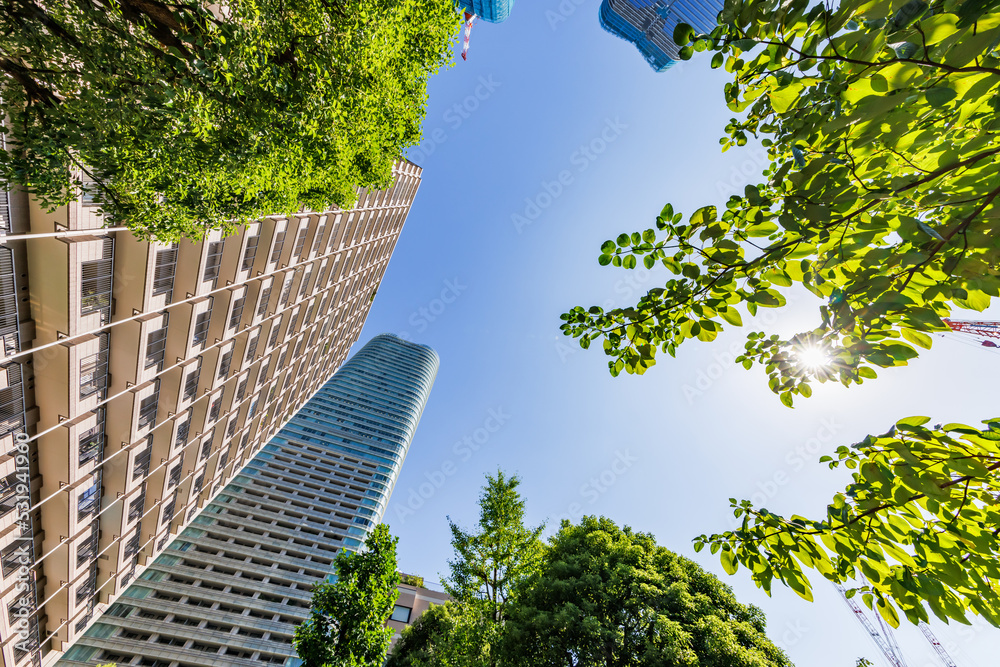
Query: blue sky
pixel 551 138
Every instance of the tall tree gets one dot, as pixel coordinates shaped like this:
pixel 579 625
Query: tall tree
pixel 881 123
pixel 609 597
pixel 489 563
pixel 192 115
pixel 347 624
pixel 916 529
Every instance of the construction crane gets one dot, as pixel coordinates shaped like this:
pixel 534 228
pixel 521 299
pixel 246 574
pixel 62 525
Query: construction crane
pixel 986 333
pixel 885 638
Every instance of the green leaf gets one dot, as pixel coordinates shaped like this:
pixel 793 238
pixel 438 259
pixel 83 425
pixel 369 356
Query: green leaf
pixel 683 33
pixel 940 95
pixel 732 316
pixel 729 563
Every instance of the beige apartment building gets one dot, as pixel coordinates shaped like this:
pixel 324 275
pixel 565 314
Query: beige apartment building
pixel 138 378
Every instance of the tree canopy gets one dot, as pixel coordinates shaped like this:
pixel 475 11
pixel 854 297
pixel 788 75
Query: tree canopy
pixel 606 597
pixel 880 119
pixel 917 528
pixel 191 116
pixel 346 626
pixel 454 634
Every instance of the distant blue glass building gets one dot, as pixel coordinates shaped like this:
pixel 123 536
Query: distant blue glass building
pixel 494 11
pixel 649 24
pixel 231 588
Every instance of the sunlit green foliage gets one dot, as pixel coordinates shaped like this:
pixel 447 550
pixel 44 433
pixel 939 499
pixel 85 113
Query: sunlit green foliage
pixel 347 624
pixel 880 118
pixel 920 523
pixel 192 115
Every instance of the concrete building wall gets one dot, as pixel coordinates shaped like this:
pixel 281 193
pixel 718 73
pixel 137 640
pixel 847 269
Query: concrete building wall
pixel 142 378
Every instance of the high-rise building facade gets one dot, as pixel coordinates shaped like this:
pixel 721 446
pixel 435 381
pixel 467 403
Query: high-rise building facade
pixel 230 589
pixel 138 378
pixel 649 24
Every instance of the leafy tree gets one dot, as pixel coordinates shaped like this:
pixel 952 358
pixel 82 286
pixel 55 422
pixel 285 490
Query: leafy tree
pixel 881 197
pixel 609 597
pixel 449 635
pixel 491 562
pixel 191 115
pixel 346 627
pixel 919 524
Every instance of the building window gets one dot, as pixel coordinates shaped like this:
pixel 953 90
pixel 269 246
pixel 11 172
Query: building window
pixel 206 449
pixel 191 383
pixel 199 482
pixel 253 409
pixel 245 440
pixel 175 475
pixel 164 271
pixel 305 282
pixel 183 430
pixel 250 253
pixel 156 346
pixel 262 376
pixel 401 613
pixel 96 278
pixel 87 549
pixel 252 346
pixel 275 331
pixel 233 425
pixel 201 323
pixel 241 390
pixel 148 406
pixel 234 319
pixel 213 414
pixel 137 507
pixel 300 242
pixel 133 544
pixel 92 440
pixel 14 555
pixel 319 238
pixel 265 296
pixel 291 325
pixel 88 501
pixel 279 241
pixel 141 466
pixel 85 591
pixel 222 460
pixel 227 361
pixel 213 260
pixel 168 512
pixel 94 371
pixel 286 289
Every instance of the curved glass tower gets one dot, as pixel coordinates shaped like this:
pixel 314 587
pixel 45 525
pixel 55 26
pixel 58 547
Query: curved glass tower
pixel 494 11
pixel 231 588
pixel 649 24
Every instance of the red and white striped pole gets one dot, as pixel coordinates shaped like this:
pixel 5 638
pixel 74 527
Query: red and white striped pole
pixel 469 19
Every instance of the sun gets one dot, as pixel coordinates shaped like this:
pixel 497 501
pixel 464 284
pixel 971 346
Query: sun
pixel 813 357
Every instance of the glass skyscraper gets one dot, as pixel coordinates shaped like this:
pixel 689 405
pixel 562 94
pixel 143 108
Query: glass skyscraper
pixel 230 589
pixel 649 24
